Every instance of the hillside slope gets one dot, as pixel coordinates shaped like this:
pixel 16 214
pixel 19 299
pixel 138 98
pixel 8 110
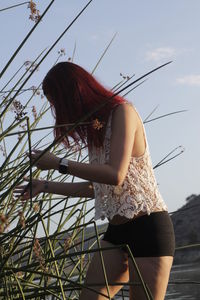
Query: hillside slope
pixel 186 222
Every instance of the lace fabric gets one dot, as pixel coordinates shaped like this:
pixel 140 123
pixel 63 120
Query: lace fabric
pixel 139 191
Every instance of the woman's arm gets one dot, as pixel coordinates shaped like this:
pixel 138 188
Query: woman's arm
pixel 77 189
pixel 124 126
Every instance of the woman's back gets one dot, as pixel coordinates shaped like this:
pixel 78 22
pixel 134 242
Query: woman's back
pixel 138 194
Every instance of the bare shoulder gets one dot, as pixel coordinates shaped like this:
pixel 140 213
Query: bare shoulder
pixel 126 106
pixel 124 113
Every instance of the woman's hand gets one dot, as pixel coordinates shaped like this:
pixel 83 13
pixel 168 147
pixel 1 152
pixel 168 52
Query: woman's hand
pixel 23 191
pixel 46 162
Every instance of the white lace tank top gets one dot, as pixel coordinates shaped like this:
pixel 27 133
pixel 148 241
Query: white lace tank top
pixel 139 191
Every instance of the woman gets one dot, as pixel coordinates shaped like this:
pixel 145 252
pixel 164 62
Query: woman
pixel 120 177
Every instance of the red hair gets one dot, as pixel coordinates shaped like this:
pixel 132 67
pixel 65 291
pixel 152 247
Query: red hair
pixel 73 93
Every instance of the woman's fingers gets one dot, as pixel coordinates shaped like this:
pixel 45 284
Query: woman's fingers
pixel 20 191
pixel 26 178
pixel 21 188
pixel 23 194
pixel 43 160
pixel 18 188
pixel 34 153
pixel 23 191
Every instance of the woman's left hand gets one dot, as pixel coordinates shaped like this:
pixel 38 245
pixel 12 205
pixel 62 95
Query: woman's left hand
pixel 46 162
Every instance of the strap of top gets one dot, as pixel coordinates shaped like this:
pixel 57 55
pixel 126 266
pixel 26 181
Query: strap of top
pixel 144 130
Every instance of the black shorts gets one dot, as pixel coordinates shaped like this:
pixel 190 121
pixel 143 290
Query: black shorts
pixel 147 236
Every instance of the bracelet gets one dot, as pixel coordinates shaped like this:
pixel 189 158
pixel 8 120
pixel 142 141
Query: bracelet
pixel 63 166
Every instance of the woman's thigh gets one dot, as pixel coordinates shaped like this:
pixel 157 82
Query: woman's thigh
pixel 155 272
pixel 116 265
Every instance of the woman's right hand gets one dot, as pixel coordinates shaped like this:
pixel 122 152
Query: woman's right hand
pixel 23 191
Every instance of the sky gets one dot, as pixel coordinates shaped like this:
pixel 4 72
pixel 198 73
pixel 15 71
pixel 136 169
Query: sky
pixel 149 33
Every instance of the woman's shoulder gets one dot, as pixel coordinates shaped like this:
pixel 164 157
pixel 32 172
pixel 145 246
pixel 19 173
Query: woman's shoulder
pixel 124 112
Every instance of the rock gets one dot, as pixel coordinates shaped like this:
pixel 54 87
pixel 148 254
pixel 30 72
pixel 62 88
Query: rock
pixel 186 222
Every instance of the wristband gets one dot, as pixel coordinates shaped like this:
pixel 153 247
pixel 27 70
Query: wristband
pixel 63 166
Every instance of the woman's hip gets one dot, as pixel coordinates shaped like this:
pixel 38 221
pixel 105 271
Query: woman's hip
pixel 148 235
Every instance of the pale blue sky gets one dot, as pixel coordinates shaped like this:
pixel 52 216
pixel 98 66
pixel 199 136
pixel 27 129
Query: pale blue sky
pixel 149 33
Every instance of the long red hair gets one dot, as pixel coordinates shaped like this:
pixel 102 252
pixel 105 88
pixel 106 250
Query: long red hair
pixel 74 92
